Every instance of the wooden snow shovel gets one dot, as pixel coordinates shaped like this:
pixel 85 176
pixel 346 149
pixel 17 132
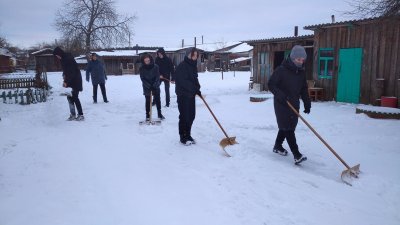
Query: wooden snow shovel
pixel 346 174
pixel 151 121
pixel 225 141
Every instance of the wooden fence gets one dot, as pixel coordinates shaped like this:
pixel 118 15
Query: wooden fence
pixel 24 90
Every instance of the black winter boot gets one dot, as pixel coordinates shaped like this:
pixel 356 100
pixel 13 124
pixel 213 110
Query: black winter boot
pixel 280 150
pixel 184 140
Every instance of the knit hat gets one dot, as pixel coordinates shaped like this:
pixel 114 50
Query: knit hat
pixel 298 51
pixel 58 51
pixel 161 50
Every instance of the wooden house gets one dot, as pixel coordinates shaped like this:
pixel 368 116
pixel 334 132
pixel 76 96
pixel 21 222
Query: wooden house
pixel 268 54
pixel 45 58
pixel 178 54
pixel 117 62
pixel 358 61
pixel 240 57
pixel 5 61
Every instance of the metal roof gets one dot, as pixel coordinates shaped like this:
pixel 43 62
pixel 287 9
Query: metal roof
pixel 342 23
pixel 281 39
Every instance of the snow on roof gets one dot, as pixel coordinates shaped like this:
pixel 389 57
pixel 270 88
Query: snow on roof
pixel 42 50
pixel 212 47
pixel 5 52
pixel 244 47
pixel 122 52
pixel 240 59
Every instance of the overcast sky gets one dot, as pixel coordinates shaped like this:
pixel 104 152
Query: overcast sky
pixel 166 22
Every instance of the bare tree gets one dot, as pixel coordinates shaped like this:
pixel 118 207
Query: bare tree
pixel 3 42
pixel 94 22
pixel 374 8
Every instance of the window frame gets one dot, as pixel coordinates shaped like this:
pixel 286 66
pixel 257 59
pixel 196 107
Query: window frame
pixel 326 60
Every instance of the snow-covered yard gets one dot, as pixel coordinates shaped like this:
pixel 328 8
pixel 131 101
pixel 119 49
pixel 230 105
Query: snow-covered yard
pixel 109 170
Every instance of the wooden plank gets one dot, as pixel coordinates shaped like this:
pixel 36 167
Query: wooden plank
pixel 395 68
pixel 365 81
pixel 382 32
pixel 392 55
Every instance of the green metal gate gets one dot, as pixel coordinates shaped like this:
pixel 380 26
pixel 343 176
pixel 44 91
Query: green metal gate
pixel 348 85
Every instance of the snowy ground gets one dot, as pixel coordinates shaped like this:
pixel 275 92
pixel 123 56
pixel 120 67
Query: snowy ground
pixel 109 170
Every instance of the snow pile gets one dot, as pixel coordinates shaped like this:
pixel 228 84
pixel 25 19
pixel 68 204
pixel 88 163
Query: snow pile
pixel 109 170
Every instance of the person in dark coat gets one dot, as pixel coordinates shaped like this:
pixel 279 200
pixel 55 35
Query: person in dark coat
pixel 150 77
pixel 98 74
pixel 288 83
pixel 72 79
pixel 187 86
pixel 166 68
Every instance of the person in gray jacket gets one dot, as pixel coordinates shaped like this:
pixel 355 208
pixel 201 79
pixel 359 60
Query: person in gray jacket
pixel 97 71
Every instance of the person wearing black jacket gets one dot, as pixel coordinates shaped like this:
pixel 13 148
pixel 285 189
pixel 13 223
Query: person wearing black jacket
pixel 187 86
pixel 288 83
pixel 150 77
pixel 73 79
pixel 166 68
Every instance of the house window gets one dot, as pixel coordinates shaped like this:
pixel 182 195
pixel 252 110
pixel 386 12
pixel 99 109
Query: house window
pixel 325 63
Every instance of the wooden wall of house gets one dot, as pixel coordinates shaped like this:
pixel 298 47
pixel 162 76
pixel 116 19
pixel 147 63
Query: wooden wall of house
pixel 380 72
pixel 113 64
pixel 271 48
pixel 5 66
pixel 49 62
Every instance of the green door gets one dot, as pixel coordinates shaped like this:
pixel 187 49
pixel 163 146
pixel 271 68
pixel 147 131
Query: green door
pixel 264 68
pixel 348 86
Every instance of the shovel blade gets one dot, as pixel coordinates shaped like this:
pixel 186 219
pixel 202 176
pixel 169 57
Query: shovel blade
pixel 348 174
pixel 227 141
pixel 153 122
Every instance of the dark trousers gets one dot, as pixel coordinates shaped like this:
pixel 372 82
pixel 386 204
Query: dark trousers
pixel 167 95
pixel 156 99
pixel 73 101
pixel 291 140
pixel 187 113
pixel 103 91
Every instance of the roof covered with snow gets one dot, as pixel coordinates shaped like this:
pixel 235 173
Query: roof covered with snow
pixel 120 53
pixel 5 52
pixel 243 47
pixel 42 50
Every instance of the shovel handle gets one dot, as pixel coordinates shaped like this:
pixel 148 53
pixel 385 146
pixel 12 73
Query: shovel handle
pixel 320 138
pixel 167 80
pixel 215 118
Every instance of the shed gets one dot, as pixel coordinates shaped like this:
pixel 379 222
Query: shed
pixel 358 61
pixel 45 58
pixel 5 61
pixel 268 54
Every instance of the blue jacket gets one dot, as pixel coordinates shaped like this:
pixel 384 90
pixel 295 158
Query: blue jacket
pixel 97 71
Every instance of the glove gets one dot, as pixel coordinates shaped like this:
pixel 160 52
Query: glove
pixel 198 93
pixel 307 110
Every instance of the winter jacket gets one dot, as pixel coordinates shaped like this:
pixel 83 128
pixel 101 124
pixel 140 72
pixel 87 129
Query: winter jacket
pixel 71 73
pixel 165 66
pixel 97 72
pixel 288 83
pixel 150 77
pixel 186 78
